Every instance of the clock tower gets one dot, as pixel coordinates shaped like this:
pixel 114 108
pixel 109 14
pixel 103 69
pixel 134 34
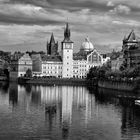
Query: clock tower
pixel 67 54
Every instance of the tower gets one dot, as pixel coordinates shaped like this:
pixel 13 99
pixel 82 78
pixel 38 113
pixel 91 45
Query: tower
pixel 67 54
pixel 52 47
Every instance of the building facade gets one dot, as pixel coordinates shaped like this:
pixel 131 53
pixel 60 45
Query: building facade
pixel 68 64
pixel 131 50
pixel 20 66
pixel 52 46
pixel 64 65
pixel 67 54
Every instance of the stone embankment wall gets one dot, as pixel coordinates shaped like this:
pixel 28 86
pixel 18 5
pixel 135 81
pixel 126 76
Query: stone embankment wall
pixel 53 81
pixel 117 85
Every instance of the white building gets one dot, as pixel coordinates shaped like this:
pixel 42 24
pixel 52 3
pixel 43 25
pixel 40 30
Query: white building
pixel 51 66
pixel 69 64
pixel 86 58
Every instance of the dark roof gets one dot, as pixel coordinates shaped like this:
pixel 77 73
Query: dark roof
pixel 55 58
pixel 67 34
pixel 81 55
pixel 52 40
pixel 35 56
pixel 131 37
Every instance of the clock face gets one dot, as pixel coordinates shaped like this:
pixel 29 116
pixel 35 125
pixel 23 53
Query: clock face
pixel 68 46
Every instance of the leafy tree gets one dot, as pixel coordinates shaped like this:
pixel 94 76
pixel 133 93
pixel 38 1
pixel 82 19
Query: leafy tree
pixel 29 73
pixel 93 73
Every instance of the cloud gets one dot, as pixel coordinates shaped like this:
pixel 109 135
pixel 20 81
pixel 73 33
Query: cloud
pixel 128 23
pixel 110 4
pixel 30 22
pixel 121 9
pixel 27 14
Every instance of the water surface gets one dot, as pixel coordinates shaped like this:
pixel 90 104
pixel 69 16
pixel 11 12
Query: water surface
pixel 66 113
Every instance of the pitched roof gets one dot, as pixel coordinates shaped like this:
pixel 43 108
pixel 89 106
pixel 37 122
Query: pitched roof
pixel 54 58
pixel 131 36
pixel 67 34
pixel 52 40
pixel 81 55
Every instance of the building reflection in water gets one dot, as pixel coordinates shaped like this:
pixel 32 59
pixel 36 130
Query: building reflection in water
pixel 59 102
pixel 36 95
pixel 13 94
pixel 4 95
pixel 68 107
pixel 67 102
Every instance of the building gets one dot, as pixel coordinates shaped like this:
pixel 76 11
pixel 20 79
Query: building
pixel 36 64
pixel 86 58
pixel 51 66
pixel 131 50
pixel 68 64
pixel 67 54
pixel 20 66
pixel 52 47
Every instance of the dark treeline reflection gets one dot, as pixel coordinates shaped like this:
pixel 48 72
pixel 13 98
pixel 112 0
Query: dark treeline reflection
pixel 130 113
pixel 69 112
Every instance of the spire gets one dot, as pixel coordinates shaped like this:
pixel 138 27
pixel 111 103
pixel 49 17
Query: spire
pixel 52 39
pixel 131 36
pixel 67 32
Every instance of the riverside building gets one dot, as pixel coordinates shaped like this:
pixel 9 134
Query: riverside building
pixel 131 50
pixel 68 64
pixel 65 64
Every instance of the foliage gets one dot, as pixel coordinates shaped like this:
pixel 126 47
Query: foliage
pixel 105 72
pixel 93 73
pixel 29 73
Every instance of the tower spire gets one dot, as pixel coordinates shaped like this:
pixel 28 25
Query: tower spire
pixel 52 39
pixel 67 33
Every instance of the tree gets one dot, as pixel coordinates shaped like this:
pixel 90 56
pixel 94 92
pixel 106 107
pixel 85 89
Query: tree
pixel 29 73
pixel 93 73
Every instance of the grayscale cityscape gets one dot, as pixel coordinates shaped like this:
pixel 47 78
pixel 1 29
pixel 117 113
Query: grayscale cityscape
pixel 69 70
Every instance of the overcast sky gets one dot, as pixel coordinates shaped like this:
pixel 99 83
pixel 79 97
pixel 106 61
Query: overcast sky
pixel 28 24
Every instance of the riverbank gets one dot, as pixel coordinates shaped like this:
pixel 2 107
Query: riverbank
pixel 52 81
pixel 132 86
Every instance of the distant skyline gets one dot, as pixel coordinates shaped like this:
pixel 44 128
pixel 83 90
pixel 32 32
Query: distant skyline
pixel 26 25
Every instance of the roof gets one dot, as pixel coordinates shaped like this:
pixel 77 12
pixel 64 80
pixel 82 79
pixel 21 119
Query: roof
pixel 52 40
pixel 81 55
pixel 54 58
pixel 35 56
pixel 131 37
pixel 67 34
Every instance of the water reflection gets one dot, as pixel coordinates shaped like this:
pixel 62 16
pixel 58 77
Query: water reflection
pixel 68 112
pixel 130 114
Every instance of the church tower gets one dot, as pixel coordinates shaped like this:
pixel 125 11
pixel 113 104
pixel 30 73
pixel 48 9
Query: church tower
pixel 52 47
pixel 67 54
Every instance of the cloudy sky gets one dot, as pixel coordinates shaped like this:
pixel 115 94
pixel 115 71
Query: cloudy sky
pixel 28 24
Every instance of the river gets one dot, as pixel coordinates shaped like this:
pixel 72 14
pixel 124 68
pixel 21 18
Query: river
pixel 66 113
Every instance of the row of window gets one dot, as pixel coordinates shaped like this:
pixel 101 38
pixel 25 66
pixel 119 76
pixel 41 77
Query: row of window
pixel 51 72
pixel 52 67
